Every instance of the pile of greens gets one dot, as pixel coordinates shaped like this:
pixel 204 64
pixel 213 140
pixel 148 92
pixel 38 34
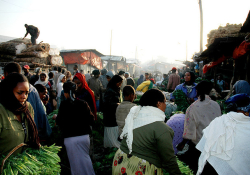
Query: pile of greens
pixel 199 79
pixel 185 170
pixel 33 161
pixel 222 105
pixel 181 100
pixel 51 121
pixel 138 97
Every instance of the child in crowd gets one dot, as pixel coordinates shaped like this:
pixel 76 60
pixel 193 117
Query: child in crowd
pixel 124 108
pixel 51 80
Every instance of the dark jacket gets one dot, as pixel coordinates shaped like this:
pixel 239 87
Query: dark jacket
pixel 74 118
pixel 130 81
pixel 34 79
pixel 96 86
pixel 85 95
pixel 111 101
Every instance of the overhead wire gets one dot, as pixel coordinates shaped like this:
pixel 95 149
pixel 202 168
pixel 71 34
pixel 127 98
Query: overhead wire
pixel 17 6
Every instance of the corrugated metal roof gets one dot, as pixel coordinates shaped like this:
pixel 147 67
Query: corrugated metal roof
pixel 132 61
pixel 82 50
pixel 113 58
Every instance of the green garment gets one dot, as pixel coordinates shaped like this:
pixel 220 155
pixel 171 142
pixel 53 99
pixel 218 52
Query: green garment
pixel 11 130
pixel 164 85
pixel 153 142
pixel 151 85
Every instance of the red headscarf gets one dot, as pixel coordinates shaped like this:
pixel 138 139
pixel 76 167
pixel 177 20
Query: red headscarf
pixel 82 79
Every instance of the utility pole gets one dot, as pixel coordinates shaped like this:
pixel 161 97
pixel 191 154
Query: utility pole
pixel 186 50
pixel 110 43
pixel 201 26
pixel 136 52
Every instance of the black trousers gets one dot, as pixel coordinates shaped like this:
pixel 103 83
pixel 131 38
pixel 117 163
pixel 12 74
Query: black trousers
pixel 34 37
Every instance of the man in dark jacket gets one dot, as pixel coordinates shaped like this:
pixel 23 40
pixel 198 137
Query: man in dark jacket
pixel 33 31
pixel 130 80
pixel 96 86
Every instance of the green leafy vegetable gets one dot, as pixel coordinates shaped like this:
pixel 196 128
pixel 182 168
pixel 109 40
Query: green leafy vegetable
pixel 181 100
pixel 33 161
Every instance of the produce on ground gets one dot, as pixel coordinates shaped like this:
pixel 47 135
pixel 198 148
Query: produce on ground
pixel 138 97
pixel 34 161
pixel 180 100
pixel 185 170
pixel 222 105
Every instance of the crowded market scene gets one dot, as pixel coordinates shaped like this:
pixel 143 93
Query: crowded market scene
pixel 77 111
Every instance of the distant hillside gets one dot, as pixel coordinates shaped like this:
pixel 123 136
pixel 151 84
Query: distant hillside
pixel 5 38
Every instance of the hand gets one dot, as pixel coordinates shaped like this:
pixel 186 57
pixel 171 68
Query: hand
pixel 54 117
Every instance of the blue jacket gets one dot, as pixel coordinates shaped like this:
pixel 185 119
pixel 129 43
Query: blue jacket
pixel 192 94
pixel 40 117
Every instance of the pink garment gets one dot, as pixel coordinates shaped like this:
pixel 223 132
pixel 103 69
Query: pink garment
pixel 198 117
pixel 173 81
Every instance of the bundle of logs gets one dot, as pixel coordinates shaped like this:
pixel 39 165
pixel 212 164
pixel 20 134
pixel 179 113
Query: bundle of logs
pixel 19 50
pixel 230 30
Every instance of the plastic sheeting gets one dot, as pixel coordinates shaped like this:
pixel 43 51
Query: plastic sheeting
pixel 212 64
pixel 243 48
pixel 82 58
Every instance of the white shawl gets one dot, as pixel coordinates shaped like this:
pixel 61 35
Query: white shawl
pixel 44 83
pixel 222 141
pixel 138 117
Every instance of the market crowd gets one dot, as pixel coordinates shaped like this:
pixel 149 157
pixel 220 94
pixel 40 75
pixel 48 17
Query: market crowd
pixel 207 139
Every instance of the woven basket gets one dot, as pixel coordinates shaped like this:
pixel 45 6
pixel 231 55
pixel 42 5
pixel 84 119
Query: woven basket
pixel 10 153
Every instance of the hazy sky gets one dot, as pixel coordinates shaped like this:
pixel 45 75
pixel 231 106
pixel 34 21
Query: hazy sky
pixel 156 28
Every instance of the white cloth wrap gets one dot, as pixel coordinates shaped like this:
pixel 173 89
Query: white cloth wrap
pixel 138 117
pixel 222 143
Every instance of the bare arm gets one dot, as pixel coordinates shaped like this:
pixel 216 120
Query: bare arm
pixel 26 33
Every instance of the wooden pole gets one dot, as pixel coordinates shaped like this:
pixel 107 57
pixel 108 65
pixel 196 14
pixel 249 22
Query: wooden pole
pixel 201 26
pixel 110 43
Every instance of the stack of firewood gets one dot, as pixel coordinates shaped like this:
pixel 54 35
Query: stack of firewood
pixel 230 30
pixel 19 50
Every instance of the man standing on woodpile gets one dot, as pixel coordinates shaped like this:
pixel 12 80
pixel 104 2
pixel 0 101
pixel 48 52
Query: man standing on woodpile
pixel 173 81
pixel 33 31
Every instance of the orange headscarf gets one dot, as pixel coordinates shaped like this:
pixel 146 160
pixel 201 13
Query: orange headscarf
pixel 82 79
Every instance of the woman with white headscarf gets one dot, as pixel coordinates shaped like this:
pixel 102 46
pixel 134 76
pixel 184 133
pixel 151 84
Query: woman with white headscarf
pixel 59 88
pixel 43 80
pixel 146 147
pixel 225 143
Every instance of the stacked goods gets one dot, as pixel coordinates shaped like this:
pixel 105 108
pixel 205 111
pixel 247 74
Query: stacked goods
pixel 20 50
pixel 230 30
pixel 181 100
pixel 32 161
pixel 55 58
pixel 9 50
